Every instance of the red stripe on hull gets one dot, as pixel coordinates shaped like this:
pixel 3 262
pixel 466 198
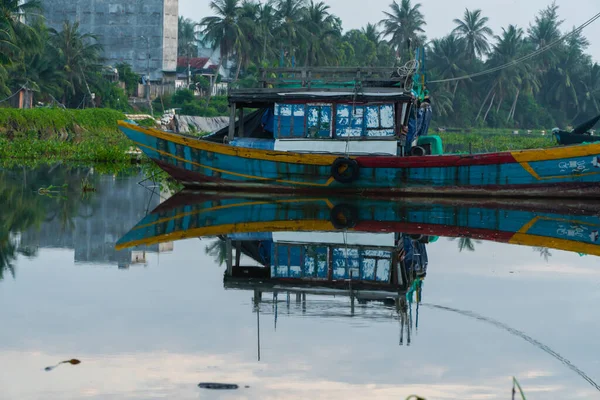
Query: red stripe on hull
pixel 435 161
pixel 191 179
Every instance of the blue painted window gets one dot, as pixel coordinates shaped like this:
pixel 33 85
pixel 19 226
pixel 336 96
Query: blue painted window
pixel 290 120
pixel 372 120
pixel 318 121
pixel 349 121
pixel 300 261
pixel 315 120
pixel 380 120
pixel 365 265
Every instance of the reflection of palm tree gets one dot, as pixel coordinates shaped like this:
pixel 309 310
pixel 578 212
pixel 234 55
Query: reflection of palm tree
pixel 7 257
pixel 544 252
pixel 23 208
pixel 466 243
pixel 218 250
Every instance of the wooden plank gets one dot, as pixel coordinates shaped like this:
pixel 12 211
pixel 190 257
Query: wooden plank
pixel 231 133
pixel 241 129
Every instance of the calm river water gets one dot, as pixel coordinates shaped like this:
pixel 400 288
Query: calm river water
pixel 239 291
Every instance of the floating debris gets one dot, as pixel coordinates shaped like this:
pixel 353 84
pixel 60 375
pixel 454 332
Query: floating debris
pixel 218 386
pixel 86 186
pixel 72 362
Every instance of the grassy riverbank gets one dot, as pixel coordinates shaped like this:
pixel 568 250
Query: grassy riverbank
pixel 492 142
pixel 54 135
pixel 46 136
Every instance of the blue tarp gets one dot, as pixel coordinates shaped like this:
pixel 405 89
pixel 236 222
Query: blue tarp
pixel 268 121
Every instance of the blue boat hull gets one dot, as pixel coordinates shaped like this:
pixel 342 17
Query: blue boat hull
pixel 535 223
pixel 572 171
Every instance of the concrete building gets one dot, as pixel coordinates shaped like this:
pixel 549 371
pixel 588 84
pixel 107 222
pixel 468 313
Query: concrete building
pixel 142 33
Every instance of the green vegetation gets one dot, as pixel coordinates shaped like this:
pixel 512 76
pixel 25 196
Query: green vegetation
pixel 56 135
pixel 33 195
pixel 559 87
pixel 190 105
pixel 60 67
pixel 492 142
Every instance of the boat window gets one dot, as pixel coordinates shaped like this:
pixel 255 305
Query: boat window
pixel 300 261
pixel 349 120
pixel 289 120
pixel 372 120
pixel 380 120
pixel 318 121
pixel 365 265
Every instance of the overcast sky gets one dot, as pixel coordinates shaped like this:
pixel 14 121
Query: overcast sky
pixel 440 13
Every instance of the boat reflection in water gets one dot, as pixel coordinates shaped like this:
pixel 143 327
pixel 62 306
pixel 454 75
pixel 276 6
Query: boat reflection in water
pixel 368 249
pixel 365 223
pixel 358 257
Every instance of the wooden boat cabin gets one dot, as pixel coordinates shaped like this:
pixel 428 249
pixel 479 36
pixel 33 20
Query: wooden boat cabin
pixel 330 110
pixel 382 262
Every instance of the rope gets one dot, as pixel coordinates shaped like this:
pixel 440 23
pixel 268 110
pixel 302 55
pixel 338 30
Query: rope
pixel 14 94
pixel 524 58
pixel 520 334
pixel 407 70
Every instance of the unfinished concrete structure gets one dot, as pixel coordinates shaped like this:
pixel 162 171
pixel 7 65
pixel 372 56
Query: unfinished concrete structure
pixel 142 33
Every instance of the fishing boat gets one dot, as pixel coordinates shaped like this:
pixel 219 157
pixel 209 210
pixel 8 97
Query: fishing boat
pixel 354 131
pixel 579 135
pixel 568 138
pixel 572 226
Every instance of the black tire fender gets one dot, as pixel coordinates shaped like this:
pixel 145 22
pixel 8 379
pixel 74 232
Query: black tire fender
pixel 343 216
pixel 345 170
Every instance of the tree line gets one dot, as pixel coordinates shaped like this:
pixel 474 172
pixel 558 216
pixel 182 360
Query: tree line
pixel 561 86
pixel 61 67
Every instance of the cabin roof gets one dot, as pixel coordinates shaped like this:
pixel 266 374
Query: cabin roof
pixel 265 97
pixel 327 84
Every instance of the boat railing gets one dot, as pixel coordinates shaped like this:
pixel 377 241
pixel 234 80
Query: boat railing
pixel 330 77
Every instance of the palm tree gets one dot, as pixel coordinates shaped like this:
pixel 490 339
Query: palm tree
pixel 565 77
pixel 448 59
pixel 222 30
pixel 591 88
pixel 545 30
pixel 6 46
pixel 321 27
pixel 15 34
pixel 251 41
pixel 372 33
pixel 78 57
pixel 509 46
pixel 267 23
pixel 474 30
pixel 13 14
pixel 291 30
pixel 186 38
pixel 404 25
pixel 364 51
pixel 39 70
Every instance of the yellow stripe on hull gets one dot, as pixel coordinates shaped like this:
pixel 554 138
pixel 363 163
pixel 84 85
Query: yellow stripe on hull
pixel 525 156
pixel 257 154
pixel 245 227
pixel 554 243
